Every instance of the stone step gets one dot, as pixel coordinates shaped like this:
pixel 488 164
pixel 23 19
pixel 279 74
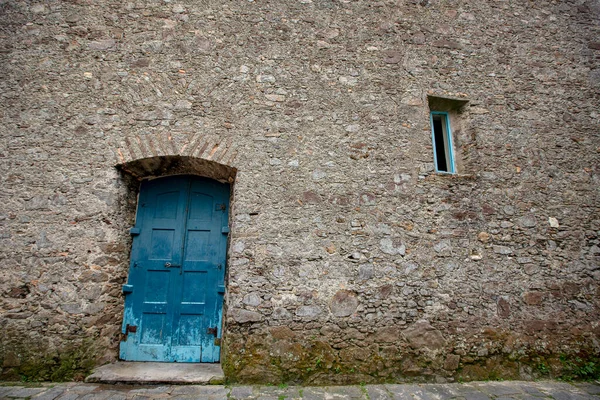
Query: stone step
pixel 158 373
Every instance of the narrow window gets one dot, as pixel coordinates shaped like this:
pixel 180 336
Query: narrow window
pixel 442 142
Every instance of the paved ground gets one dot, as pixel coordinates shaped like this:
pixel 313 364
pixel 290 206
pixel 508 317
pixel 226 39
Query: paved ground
pixel 467 391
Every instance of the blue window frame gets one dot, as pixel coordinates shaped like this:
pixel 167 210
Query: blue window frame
pixel 441 136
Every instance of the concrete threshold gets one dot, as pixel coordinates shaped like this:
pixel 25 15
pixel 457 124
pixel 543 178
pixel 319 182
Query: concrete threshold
pixel 158 373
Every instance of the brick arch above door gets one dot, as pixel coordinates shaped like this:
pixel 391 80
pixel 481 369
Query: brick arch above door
pixel 160 154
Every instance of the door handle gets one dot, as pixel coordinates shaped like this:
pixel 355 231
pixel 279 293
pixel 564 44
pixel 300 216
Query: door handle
pixel 169 265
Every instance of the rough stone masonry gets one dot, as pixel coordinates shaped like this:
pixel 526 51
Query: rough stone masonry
pixel 350 259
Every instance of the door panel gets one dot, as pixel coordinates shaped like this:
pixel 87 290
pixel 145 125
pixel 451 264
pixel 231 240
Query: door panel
pixel 197 245
pixel 177 271
pixel 161 244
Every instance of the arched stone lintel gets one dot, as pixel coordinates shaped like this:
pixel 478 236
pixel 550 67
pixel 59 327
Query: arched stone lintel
pixel 172 153
pixel 153 167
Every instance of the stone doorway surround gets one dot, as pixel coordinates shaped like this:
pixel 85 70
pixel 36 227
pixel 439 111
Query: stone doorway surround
pixel 152 156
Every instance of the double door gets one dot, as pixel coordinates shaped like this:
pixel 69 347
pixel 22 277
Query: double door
pixel 175 288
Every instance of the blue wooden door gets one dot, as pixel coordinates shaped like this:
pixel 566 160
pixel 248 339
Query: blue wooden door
pixel 174 293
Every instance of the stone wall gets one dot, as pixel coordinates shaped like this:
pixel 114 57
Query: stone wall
pixel 349 259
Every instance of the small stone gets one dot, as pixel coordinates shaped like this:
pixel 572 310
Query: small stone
pixel 418 38
pixel 392 57
pixel 365 272
pixel 11 359
pixel 141 62
pixel 383 292
pixel 265 79
pixel 318 175
pixel 502 250
pixel 503 308
pixel 282 333
pixel 509 210
pixel 95 308
pixel 343 303
pixel 71 308
pixel 389 334
pixel 527 221
pixel 348 80
pixel 452 362
pixel 275 97
pixel 331 33
pixel 388 246
pixel 533 298
pixel 39 9
pixel 531 269
pixel 524 260
pixel 480 110
pixel 252 299
pixel 483 237
pixel 72 18
pixel 352 128
pixel 238 247
pixel 178 9
pixel 411 101
pixel 281 313
pixel 410 267
pixel 243 316
pixel 203 45
pixel 101 45
pixel 244 69
pixel 443 247
pixel 308 311
pixel 92 119
pixel 553 222
pixel 183 105
pixel 447 44
pixel 422 334
pixel 594 45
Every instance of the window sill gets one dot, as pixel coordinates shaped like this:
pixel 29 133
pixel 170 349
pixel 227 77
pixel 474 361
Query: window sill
pixel 448 176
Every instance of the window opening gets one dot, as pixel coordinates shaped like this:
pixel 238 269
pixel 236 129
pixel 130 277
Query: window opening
pixel 442 142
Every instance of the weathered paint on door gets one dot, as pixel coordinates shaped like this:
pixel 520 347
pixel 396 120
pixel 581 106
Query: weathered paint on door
pixel 174 293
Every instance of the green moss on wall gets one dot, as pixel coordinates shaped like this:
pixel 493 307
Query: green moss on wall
pixel 66 364
pixel 263 359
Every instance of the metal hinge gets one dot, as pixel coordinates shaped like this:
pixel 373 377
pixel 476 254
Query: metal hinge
pixel 211 331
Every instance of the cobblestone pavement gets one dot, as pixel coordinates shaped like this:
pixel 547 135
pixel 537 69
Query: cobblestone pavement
pixel 467 391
